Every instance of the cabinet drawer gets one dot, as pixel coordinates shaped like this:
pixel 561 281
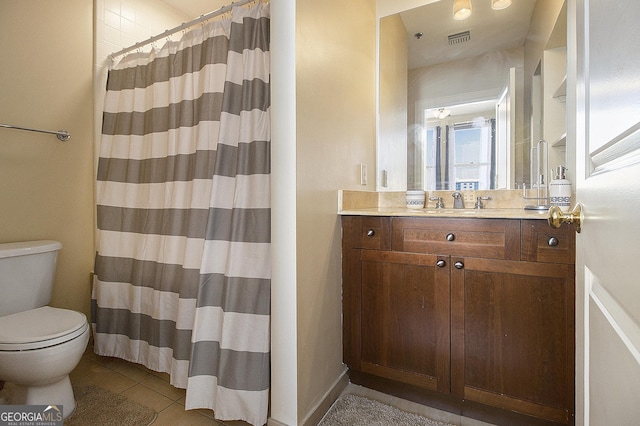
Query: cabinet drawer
pixel 488 238
pixel 366 232
pixel 542 243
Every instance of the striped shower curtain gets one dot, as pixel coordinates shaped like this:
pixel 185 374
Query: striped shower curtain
pixel 182 269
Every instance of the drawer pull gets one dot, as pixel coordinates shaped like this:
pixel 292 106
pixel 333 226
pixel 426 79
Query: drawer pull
pixel 458 265
pixel 441 263
pixel 371 233
pixel 451 237
pixel 553 241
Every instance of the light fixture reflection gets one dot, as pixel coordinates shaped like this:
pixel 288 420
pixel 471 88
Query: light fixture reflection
pixel 461 9
pixel 441 113
pixel 500 4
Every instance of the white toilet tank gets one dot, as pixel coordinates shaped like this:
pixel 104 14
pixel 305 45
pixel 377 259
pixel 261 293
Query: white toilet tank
pixel 27 272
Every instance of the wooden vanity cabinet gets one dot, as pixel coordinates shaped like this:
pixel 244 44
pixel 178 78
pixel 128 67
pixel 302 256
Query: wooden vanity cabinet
pixel 476 309
pixel 396 308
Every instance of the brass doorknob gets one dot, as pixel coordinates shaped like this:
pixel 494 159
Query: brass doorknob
pixel 557 217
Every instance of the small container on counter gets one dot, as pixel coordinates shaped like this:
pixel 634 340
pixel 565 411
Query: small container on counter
pixel 415 199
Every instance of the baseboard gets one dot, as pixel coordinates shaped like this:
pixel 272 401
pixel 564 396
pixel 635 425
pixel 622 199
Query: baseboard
pixel 272 422
pixel 314 417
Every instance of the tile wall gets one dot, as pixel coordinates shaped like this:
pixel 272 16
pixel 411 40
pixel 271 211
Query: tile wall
pixel 122 23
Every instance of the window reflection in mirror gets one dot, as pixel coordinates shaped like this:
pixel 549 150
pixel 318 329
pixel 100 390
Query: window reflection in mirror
pixel 418 74
pixel 458 152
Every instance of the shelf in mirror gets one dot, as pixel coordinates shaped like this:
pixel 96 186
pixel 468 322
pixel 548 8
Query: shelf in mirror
pixel 560 142
pixel 561 92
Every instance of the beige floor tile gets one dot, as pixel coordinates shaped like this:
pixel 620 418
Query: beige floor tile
pixel 205 412
pixel 85 367
pixel 163 387
pixel 176 415
pixel 164 376
pixel 128 369
pixel 147 397
pixel 235 423
pixel 108 379
pixel 91 355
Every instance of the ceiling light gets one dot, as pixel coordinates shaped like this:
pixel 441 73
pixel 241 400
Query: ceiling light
pixel 461 9
pixel 500 4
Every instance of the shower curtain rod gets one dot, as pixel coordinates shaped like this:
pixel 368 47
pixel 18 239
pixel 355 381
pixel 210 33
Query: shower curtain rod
pixel 62 135
pixel 181 27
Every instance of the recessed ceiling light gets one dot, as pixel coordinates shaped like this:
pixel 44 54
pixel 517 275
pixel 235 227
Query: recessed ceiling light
pixel 500 4
pixel 461 9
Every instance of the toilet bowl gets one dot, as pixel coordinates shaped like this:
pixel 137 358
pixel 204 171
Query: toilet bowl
pixel 39 344
pixel 38 350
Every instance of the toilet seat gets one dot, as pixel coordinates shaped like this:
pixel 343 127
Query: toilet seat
pixel 40 328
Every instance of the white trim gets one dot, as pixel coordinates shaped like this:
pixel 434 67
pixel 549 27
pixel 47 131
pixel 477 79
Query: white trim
pixel 284 320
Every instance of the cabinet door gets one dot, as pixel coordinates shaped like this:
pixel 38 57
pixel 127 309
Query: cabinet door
pixel 513 336
pixel 400 327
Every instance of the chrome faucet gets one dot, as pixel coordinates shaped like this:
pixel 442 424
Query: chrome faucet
pixel 458 202
pixel 479 204
pixel 438 200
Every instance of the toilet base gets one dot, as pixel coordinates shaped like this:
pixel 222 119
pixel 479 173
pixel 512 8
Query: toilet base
pixel 58 393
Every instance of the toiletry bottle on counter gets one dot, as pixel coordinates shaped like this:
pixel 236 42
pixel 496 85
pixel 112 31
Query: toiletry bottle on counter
pixel 560 190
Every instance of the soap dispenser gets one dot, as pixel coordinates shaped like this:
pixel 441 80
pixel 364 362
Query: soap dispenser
pixel 560 190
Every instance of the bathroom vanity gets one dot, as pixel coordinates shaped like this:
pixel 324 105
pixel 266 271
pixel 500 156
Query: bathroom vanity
pixel 471 312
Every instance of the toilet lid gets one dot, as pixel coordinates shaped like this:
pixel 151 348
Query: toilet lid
pixel 40 328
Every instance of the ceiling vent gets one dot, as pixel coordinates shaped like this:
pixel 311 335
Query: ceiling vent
pixel 458 38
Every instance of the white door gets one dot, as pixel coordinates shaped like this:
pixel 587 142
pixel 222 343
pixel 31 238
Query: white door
pixel 604 122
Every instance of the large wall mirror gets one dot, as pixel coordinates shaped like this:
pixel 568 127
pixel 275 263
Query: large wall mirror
pixel 463 104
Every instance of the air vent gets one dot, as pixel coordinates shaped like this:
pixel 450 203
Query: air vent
pixel 458 38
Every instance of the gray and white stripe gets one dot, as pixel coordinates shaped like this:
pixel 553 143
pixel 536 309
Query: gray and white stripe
pixel 182 280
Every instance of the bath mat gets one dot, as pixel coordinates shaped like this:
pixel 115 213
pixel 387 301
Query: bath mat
pixel 353 410
pixel 99 407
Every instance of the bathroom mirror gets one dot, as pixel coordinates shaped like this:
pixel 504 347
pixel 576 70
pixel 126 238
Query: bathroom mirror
pixel 460 102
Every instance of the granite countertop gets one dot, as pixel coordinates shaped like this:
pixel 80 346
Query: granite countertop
pixel 503 204
pixel 500 213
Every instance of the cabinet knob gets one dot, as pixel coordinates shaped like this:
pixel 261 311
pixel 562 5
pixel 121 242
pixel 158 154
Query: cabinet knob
pixel 371 233
pixel 458 265
pixel 441 263
pixel 451 237
pixel 552 242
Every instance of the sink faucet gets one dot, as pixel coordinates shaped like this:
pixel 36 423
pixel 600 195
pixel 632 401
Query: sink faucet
pixel 438 200
pixel 479 204
pixel 458 202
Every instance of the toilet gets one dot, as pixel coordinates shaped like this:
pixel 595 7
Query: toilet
pixel 39 344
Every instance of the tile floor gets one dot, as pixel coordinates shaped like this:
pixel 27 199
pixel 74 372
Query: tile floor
pixel 152 389
pixel 144 386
